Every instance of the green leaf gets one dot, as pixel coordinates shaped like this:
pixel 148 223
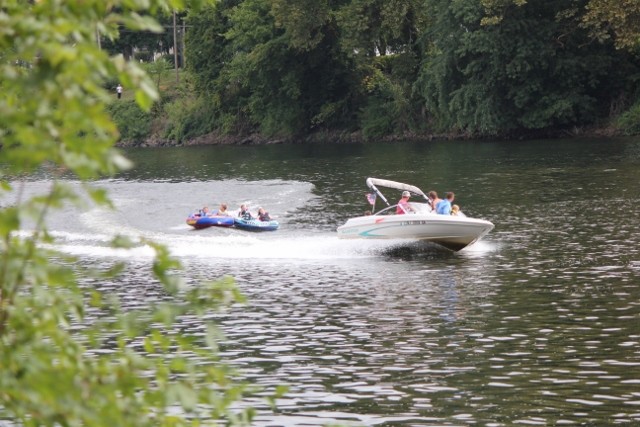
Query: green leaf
pixel 99 195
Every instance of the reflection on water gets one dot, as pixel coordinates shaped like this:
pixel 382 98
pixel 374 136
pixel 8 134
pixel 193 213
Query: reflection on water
pixel 537 324
pixel 428 343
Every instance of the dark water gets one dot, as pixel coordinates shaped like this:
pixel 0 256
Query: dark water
pixel 537 324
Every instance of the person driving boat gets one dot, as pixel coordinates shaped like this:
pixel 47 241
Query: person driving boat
pixel 403 204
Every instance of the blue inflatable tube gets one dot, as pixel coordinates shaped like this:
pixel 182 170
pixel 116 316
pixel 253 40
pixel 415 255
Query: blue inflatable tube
pixel 256 225
pixel 198 222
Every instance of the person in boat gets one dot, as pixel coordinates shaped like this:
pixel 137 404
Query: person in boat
pixel 433 197
pixel 455 210
pixel 263 215
pixel 403 204
pixel 244 212
pixel 204 211
pixel 222 211
pixel 444 206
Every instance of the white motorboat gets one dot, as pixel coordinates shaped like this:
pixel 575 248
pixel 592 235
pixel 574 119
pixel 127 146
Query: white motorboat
pixel 454 232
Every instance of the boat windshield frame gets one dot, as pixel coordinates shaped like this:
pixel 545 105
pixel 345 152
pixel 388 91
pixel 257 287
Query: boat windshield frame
pixel 374 183
pixel 377 182
pixel 420 208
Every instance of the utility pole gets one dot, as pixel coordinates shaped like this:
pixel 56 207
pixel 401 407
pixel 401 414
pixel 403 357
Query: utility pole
pixel 175 47
pixel 183 50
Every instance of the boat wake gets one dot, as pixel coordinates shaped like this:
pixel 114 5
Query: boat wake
pixel 140 215
pixel 255 248
pixel 242 245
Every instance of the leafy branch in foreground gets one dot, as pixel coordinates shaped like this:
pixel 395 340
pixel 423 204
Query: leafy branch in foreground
pixel 58 367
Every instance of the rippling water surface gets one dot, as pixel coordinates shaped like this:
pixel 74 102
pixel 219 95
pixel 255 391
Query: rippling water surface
pixel 537 324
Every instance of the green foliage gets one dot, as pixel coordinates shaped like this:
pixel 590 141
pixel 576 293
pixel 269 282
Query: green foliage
pixel 158 69
pixel 614 19
pixel 188 118
pixel 479 67
pixel 207 48
pixel 378 118
pixel 51 377
pixel 302 20
pixel 209 55
pixel 373 27
pixel 266 70
pixel 389 108
pixel 629 121
pixel 57 368
pixel 110 84
pixel 133 123
pixel 533 69
pixel 142 44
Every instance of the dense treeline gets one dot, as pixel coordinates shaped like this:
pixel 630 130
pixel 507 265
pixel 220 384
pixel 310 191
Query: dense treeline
pixel 290 68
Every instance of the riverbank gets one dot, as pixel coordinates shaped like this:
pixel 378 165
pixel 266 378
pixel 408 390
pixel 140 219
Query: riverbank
pixel 341 137
pixel 256 139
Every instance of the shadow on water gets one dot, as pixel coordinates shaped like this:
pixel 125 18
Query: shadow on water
pixel 417 251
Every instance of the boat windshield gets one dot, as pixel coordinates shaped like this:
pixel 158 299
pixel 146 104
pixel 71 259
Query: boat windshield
pixel 419 208
pixel 387 211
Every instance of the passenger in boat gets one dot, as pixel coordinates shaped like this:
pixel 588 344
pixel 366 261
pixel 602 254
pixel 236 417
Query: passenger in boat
pixel 444 206
pixel 244 212
pixel 433 196
pixel 222 211
pixel 403 204
pixel 455 210
pixel 205 211
pixel 263 215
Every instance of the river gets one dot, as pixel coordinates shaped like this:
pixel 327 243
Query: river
pixel 536 324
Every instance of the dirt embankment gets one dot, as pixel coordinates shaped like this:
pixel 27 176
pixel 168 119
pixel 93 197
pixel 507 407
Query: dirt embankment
pixel 341 137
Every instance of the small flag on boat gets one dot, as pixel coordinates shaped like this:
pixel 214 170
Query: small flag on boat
pixel 371 198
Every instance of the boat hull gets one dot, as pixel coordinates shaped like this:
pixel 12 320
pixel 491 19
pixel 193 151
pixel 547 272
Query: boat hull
pixel 256 225
pixel 200 222
pixel 452 232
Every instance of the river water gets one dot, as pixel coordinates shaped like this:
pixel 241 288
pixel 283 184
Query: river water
pixel 536 324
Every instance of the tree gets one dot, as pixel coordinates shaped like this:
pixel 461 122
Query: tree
pixel 382 37
pixel 129 41
pixel 297 66
pixel 52 103
pixel 606 19
pixel 530 67
pixel 207 48
pixel 276 73
pixel 619 19
pixel 375 27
